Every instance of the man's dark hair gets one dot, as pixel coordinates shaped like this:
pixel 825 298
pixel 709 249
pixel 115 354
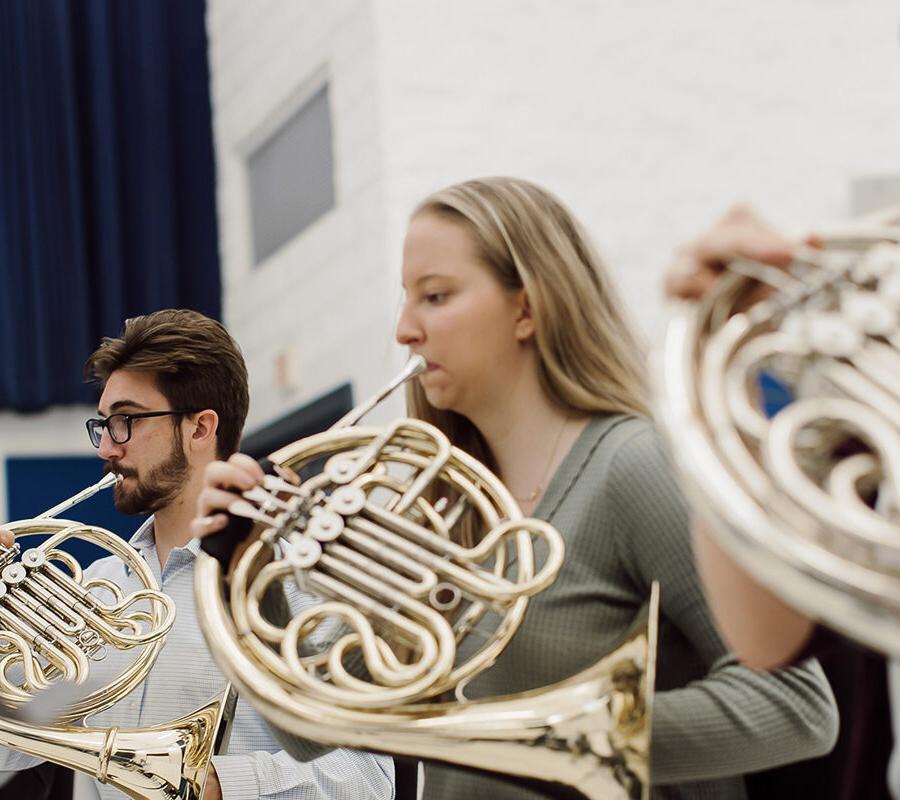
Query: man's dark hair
pixel 196 363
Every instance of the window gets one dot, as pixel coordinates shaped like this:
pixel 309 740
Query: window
pixel 291 177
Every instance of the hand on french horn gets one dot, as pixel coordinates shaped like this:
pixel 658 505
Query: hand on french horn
pixel 222 535
pixel 740 234
pixel 7 538
pixel 223 482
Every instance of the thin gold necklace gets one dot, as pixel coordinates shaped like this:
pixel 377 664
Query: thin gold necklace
pixel 538 490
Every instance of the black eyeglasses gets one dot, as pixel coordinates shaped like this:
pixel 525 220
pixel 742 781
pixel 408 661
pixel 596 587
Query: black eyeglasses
pixel 119 425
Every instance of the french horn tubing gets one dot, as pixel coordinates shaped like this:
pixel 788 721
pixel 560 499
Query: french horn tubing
pixel 373 521
pixel 54 623
pixel 801 490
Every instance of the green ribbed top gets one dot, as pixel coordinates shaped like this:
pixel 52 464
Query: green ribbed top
pixel 625 523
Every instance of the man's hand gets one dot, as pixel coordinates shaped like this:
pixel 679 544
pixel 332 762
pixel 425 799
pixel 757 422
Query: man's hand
pixel 213 789
pixel 7 538
pixel 741 233
pixel 223 481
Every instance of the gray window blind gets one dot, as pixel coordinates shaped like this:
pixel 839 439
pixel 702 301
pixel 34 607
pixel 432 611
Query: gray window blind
pixel 291 177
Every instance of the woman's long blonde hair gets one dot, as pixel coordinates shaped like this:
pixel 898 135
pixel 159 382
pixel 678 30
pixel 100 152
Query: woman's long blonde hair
pixel 588 357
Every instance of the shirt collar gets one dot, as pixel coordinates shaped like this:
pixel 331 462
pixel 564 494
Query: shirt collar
pixel 145 536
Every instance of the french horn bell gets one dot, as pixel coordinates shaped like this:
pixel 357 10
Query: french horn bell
pixel 783 412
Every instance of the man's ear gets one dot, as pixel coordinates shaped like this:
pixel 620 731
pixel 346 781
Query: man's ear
pixel 524 320
pixel 203 430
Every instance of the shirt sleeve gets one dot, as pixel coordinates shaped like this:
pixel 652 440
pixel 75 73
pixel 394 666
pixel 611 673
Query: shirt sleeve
pixel 12 761
pixel 757 720
pixel 338 775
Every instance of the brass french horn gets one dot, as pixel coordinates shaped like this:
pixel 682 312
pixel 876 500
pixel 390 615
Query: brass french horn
pixel 803 492
pixel 54 623
pixel 376 522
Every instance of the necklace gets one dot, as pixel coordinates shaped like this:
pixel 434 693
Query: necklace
pixel 538 490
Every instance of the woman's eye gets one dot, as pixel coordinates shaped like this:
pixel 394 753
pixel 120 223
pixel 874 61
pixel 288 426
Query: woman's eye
pixel 435 297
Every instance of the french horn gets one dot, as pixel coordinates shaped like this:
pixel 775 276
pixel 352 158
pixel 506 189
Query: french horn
pixel 373 521
pixel 54 623
pixel 783 412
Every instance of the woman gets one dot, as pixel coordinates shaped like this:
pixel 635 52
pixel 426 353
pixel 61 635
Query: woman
pixel 532 369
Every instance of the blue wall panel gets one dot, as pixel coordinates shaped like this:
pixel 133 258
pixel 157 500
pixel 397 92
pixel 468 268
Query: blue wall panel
pixel 34 484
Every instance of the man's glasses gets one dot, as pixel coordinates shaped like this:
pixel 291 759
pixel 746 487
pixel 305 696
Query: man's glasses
pixel 119 425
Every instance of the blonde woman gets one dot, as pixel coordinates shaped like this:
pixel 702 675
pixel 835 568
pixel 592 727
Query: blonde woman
pixel 533 369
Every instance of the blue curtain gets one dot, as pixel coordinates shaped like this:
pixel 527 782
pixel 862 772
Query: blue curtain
pixel 107 182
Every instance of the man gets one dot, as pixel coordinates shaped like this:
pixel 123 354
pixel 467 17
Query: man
pixel 174 398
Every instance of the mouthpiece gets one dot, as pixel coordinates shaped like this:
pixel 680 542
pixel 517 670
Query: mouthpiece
pixel 413 367
pixel 107 480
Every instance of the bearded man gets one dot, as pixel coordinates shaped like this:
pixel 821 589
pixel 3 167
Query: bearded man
pixel 173 398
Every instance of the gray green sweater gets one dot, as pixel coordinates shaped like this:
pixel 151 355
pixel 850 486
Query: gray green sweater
pixel 625 524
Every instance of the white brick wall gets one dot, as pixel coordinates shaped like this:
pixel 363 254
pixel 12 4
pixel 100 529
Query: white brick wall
pixel 325 289
pixel 648 118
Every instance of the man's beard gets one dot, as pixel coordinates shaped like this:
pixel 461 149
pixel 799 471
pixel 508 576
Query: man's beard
pixel 158 489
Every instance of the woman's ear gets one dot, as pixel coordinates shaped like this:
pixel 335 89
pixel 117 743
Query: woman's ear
pixel 205 425
pixel 524 321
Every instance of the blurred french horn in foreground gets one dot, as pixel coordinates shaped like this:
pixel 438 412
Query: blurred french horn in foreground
pixel 53 624
pixel 801 490
pixel 379 534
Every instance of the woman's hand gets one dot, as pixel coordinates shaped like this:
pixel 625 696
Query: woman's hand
pixel 223 482
pixel 7 538
pixel 741 233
